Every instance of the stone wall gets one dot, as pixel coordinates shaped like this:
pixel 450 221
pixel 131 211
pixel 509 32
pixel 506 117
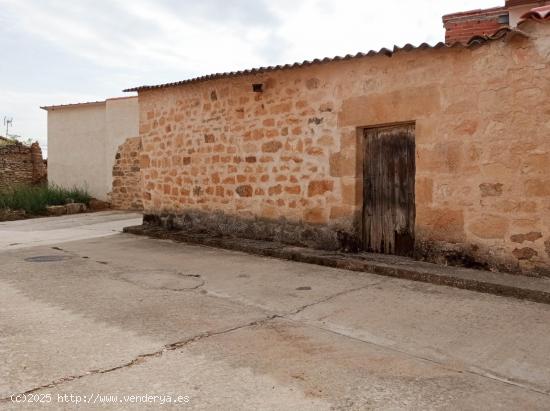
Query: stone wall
pixel 126 194
pixel 21 164
pixel 293 153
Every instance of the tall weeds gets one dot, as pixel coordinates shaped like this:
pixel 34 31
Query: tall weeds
pixel 35 199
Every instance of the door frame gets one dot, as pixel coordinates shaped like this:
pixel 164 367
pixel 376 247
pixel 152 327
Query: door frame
pixel 360 131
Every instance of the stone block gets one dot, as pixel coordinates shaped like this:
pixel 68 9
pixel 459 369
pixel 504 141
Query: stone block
pixel 444 157
pixel 326 107
pixel 281 108
pixel 7 214
pixel 244 191
pixel 56 210
pixel 537 188
pixel 441 224
pixel 98 205
pixel 524 253
pixel 491 189
pixel 313 83
pixel 340 212
pixel 272 146
pixel 274 190
pixel 343 164
pixel 520 238
pixel 424 190
pixel 315 215
pixel 489 227
pixel 467 127
pixel 537 164
pixel 389 107
pixel 293 189
pixel 319 187
pixel 351 192
pixel 75 208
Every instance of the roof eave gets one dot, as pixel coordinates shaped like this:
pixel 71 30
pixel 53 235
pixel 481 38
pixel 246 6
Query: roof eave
pixel 72 105
pixel 306 63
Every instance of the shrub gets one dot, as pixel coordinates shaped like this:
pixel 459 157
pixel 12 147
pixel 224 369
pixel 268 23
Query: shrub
pixel 35 199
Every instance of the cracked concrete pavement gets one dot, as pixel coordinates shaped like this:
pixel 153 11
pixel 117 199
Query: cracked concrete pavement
pixel 116 314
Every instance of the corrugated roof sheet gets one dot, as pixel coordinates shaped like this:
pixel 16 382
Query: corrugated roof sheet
pixel 475 41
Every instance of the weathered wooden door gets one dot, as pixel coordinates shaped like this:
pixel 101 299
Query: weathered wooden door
pixel 388 190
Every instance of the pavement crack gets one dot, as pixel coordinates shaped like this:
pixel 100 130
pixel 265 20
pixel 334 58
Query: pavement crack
pixel 179 344
pixel 330 297
pixel 142 357
pixel 201 283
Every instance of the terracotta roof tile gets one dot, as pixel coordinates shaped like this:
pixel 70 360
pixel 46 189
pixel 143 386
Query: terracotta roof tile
pixel 537 14
pixel 306 63
pixel 505 32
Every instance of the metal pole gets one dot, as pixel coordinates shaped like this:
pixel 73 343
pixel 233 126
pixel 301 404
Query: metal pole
pixel 8 122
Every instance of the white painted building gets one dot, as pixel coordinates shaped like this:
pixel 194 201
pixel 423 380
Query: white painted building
pixel 83 140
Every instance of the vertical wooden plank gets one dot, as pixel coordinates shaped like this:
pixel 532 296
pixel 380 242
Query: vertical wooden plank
pixel 389 174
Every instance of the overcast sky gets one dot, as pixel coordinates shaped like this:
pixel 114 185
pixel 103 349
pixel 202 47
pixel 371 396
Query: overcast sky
pixel 66 51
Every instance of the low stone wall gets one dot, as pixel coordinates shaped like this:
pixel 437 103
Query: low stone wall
pixel 21 164
pixel 126 194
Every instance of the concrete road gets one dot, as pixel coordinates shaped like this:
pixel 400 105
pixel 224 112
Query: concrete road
pixel 54 230
pixel 114 321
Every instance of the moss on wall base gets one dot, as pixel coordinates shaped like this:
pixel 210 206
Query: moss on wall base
pixel 280 230
pixel 337 238
pixel 478 257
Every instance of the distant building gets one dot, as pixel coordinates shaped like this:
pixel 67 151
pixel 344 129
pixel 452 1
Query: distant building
pixel 461 27
pixel 83 140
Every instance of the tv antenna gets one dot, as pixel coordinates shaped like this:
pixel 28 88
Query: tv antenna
pixel 8 122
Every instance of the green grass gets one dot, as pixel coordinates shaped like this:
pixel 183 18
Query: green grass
pixel 35 199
